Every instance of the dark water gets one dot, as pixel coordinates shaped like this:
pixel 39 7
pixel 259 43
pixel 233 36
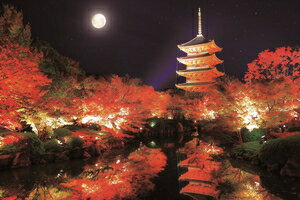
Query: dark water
pixel 36 181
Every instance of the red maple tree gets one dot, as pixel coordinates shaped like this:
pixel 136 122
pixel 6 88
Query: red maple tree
pixel 125 179
pixel 117 104
pixel 21 82
pixel 270 65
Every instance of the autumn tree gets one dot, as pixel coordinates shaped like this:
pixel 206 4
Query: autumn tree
pixel 126 178
pixel 21 82
pixel 12 26
pixel 273 84
pixel 270 65
pixel 254 105
pixel 119 104
pixel 276 101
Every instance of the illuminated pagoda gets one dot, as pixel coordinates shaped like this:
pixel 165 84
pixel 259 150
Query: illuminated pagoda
pixel 200 72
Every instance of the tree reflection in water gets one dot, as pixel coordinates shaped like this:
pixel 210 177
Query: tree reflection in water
pixel 120 178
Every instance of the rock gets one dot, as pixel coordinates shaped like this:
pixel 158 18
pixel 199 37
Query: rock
pixel 22 159
pixel 5 161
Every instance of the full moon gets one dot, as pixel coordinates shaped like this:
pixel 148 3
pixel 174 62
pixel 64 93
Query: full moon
pixel 98 20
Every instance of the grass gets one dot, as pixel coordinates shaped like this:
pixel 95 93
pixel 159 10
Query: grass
pixel 247 150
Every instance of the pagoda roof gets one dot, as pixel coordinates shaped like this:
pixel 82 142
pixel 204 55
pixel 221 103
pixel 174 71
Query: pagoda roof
pixel 199 39
pixel 199 48
pixel 201 74
pixel 200 188
pixel 195 161
pixel 196 175
pixel 207 59
pixel 195 87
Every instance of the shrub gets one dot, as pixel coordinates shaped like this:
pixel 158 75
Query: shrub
pixel 72 128
pixel 9 149
pixel 74 142
pixel 36 145
pixel 254 135
pixel 277 151
pixel 62 132
pixel 53 146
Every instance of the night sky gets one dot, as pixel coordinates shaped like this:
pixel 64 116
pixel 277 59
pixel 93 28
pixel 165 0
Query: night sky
pixel 141 36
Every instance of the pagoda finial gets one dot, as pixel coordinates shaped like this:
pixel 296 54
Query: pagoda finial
pixel 199 23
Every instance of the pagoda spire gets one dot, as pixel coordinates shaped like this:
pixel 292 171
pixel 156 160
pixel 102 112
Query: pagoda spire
pixel 199 23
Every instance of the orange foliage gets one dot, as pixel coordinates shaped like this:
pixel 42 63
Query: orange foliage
pixel 270 65
pixel 8 139
pixel 21 82
pixel 10 198
pixel 252 105
pixel 119 105
pixel 125 178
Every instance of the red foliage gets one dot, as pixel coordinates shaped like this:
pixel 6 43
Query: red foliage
pixel 270 65
pixel 21 82
pixel 10 198
pixel 126 178
pixel 9 139
pixel 119 104
pixel 85 135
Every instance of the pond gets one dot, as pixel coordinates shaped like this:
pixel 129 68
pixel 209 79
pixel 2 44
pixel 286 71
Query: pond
pixel 147 170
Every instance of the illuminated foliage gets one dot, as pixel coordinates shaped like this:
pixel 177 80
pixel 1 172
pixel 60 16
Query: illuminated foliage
pixel 8 139
pixel 117 104
pixel 243 185
pixel 124 179
pixel 252 105
pixel 21 82
pixel 270 65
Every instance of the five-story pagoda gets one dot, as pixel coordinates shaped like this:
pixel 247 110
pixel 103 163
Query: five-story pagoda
pixel 200 72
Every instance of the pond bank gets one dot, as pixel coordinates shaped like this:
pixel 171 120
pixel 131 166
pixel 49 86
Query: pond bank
pixel 280 156
pixel 26 149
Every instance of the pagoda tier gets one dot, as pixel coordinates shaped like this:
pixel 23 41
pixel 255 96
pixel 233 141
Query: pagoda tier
pixel 207 59
pixel 196 175
pixel 200 72
pixel 200 188
pixel 195 87
pixel 201 167
pixel 199 44
pixel 207 74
